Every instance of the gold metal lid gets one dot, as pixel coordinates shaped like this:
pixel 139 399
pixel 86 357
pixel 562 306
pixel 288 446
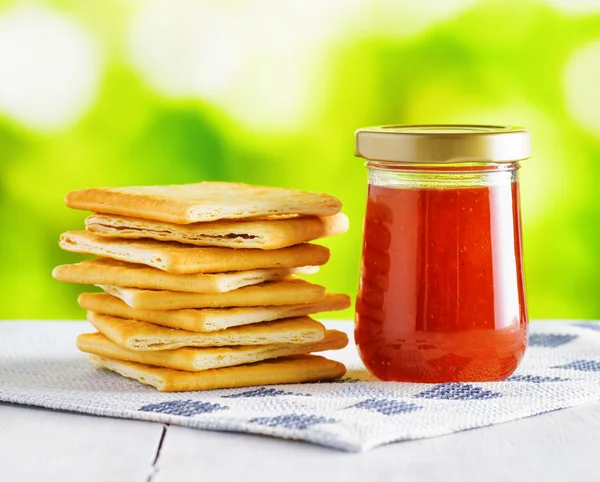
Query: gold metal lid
pixel 443 143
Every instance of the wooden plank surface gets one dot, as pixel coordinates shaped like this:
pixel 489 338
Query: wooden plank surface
pixel 44 445
pixel 558 446
pixel 37 444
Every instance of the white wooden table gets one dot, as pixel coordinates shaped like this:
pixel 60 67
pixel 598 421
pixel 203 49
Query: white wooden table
pixel 38 444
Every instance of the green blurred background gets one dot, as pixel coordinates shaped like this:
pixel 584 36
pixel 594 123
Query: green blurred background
pixel 269 92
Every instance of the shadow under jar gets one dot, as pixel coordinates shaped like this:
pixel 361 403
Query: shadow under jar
pixel 441 295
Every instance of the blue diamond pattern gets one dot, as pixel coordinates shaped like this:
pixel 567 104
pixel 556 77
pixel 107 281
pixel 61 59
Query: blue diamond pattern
pixel 292 421
pixel 535 379
pixel 185 408
pixel 589 326
pixel 387 407
pixel 261 392
pixel 458 391
pixel 550 340
pixel 582 365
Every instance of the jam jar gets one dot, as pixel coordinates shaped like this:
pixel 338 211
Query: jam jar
pixel 441 295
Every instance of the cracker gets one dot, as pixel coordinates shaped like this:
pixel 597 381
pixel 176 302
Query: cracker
pixel 205 201
pixel 284 292
pixel 106 271
pixel 198 359
pixel 185 259
pixel 209 319
pixel 293 369
pixel 138 335
pixel 261 234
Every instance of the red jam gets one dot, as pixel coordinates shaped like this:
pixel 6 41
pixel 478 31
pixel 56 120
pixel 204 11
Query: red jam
pixel 441 295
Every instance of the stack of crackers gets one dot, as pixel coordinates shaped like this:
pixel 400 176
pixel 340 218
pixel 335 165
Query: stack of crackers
pixel 200 286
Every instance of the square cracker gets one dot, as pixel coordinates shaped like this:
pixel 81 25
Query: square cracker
pixel 185 259
pixel 205 201
pixel 293 369
pixel 138 335
pixel 198 359
pixel 209 319
pixel 284 292
pixel 258 234
pixel 106 271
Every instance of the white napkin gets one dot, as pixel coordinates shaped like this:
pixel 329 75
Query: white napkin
pixel 39 365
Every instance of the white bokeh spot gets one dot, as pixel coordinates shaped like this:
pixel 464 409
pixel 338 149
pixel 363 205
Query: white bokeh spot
pixel 49 68
pixel 259 61
pixel 186 49
pixel 401 19
pixel 581 83
pixel 575 7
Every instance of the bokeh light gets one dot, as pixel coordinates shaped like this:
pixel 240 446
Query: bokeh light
pixel 582 80
pixel 270 92
pixel 50 68
pixel 576 7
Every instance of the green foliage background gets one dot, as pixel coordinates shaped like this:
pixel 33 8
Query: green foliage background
pixel 490 62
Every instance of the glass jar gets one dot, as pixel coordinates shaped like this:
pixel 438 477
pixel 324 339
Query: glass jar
pixel 441 295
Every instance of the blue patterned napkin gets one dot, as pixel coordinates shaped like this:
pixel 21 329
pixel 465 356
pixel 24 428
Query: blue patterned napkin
pixel 39 365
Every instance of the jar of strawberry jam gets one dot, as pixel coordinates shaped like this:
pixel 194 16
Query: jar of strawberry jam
pixel 441 295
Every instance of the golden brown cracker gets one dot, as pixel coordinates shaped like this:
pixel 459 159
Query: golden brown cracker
pixel 139 335
pixel 107 271
pixel 209 319
pixel 293 369
pixel 198 359
pixel 284 292
pixel 185 259
pixel 205 201
pixel 258 234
